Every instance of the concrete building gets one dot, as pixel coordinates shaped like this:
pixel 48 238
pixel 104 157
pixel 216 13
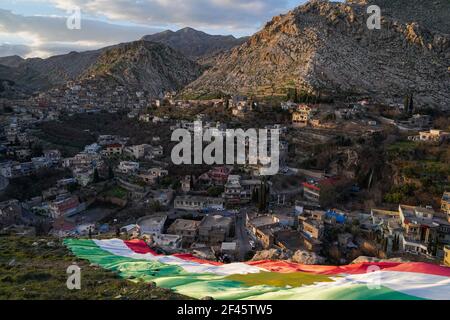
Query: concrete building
pixel 238 191
pixel 433 135
pixel 66 207
pixel 186 229
pixel 128 167
pixel 301 116
pixel 151 225
pixel 194 203
pixel 214 229
pixel 423 230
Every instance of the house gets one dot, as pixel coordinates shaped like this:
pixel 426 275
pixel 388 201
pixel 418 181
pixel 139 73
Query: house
pixel 287 106
pixel 83 175
pixel 445 204
pixel 312 228
pixel 92 148
pixel 238 191
pixel 433 135
pixel 263 228
pixel 186 229
pixel 128 167
pixel 214 229
pixel 311 189
pixel 420 121
pixel 311 192
pixel 65 207
pixel 219 175
pixel 229 249
pixel 151 225
pixel 186 184
pixel 195 203
pixel 288 239
pixel 131 229
pixel 54 156
pixel 151 175
pixel 113 149
pixel 424 232
pixel 138 151
pixel 162 196
pixel 145 117
pixel 171 241
pixel 301 116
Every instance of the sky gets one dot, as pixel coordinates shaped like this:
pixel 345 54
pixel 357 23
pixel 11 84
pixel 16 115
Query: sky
pixel 38 28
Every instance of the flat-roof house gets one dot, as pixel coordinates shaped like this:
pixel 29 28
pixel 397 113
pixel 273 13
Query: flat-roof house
pixel 214 229
pixel 195 203
pixel 151 225
pixel 186 229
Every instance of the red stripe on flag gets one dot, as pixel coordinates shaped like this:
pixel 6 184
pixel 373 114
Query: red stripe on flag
pixel 139 246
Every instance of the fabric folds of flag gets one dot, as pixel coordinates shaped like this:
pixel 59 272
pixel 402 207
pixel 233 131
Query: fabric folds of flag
pixel 261 280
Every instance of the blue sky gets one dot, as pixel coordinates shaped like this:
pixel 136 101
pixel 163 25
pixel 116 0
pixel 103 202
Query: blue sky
pixel 38 27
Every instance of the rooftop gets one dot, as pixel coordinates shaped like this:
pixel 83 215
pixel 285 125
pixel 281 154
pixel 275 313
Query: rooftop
pixel 185 224
pixel 215 221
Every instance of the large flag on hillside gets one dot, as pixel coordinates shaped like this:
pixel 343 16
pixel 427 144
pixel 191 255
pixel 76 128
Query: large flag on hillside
pixel 269 280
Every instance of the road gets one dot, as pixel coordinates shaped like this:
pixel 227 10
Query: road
pixel 242 238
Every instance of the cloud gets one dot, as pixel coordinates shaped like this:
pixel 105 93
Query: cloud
pixel 218 14
pixel 49 35
pixel 7 49
pixel 107 22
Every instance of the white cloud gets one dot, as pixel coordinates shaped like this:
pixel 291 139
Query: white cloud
pixel 128 20
pixel 220 14
pixel 49 35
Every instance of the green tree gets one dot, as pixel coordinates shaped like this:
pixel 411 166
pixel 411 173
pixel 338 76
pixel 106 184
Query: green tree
pixel 96 176
pixel 110 173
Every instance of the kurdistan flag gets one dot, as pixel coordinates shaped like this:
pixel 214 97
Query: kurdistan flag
pixel 266 280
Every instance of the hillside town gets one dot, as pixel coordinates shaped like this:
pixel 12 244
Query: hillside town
pixel 323 206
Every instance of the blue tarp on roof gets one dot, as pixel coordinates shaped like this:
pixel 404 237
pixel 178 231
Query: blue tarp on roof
pixel 340 218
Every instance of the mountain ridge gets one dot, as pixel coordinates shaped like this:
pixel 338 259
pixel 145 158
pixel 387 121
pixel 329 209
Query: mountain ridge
pixel 195 44
pixel 325 47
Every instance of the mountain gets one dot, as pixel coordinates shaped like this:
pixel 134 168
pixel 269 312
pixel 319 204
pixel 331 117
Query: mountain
pixel 150 65
pixel 11 61
pixel 326 48
pixel 195 44
pixel 41 74
pixel 145 65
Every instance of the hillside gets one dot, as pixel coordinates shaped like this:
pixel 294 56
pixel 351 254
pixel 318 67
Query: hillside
pixel 326 48
pixel 41 74
pixel 195 44
pixel 35 269
pixel 145 65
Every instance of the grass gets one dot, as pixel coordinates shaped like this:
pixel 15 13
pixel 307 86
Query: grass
pixel 38 272
pixel 117 192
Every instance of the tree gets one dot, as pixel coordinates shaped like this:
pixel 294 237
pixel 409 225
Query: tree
pixel 411 104
pixel 263 196
pixel 110 173
pixel 96 176
pixel 406 104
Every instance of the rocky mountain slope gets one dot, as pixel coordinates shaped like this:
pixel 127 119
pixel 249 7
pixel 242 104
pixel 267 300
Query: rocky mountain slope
pixel 143 65
pixel 41 74
pixel 195 44
pixel 149 65
pixel 325 47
